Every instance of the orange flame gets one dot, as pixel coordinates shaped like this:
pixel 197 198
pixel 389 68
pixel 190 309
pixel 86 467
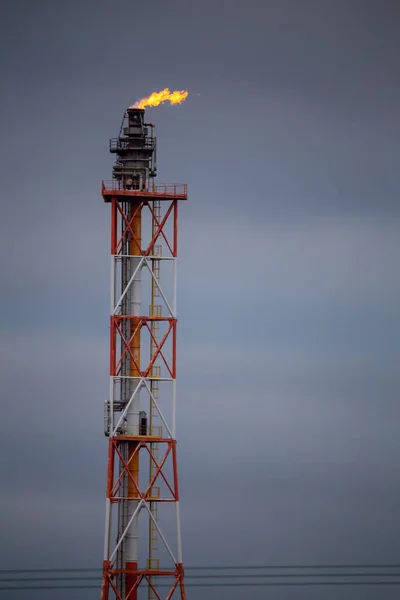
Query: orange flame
pixel 165 95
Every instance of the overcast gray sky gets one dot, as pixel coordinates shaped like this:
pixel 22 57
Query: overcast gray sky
pixel 288 275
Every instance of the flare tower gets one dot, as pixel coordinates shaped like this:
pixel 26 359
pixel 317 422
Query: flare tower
pixel 142 545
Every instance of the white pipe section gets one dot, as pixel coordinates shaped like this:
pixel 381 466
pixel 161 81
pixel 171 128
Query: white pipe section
pixel 178 532
pixel 107 529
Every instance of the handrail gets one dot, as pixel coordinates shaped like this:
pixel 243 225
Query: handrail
pixel 160 189
pixel 118 144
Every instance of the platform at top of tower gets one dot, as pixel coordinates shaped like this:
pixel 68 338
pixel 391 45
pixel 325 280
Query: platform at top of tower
pixel 155 191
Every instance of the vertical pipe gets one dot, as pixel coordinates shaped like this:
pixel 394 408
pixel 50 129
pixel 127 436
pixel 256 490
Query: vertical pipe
pixel 178 533
pixel 107 526
pixel 110 479
pixel 114 226
pixel 173 419
pixel 111 394
pixel 108 517
pixel 174 288
pixel 132 416
pixel 107 530
pixel 155 270
pixel 175 247
pixel 174 275
pixel 113 342
pixel 174 308
pixel 112 285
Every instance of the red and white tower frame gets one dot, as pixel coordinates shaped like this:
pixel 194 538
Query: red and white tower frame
pixel 141 557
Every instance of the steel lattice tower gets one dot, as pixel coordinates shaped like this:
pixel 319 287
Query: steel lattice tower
pixel 142 476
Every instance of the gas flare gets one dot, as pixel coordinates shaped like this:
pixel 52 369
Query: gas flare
pixel 156 98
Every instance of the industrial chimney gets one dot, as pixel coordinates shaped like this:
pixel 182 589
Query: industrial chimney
pixel 142 476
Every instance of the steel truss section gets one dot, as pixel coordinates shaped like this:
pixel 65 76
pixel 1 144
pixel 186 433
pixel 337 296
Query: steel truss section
pixel 114 483
pixel 143 576
pixel 139 324
pixel 118 235
pixel 132 375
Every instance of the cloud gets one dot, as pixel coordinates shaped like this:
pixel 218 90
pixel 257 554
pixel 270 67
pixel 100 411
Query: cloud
pixel 288 289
